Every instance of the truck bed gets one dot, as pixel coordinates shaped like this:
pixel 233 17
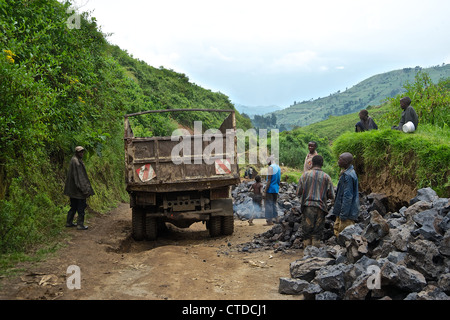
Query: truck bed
pixel 150 166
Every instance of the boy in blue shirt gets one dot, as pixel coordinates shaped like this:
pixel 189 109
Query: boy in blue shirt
pixel 272 189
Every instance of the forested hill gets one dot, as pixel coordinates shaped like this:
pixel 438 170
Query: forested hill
pixel 62 85
pixel 371 91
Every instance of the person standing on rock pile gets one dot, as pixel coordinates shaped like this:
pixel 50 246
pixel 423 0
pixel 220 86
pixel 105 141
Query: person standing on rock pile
pixel 312 146
pixel 271 192
pixel 78 188
pixel 346 205
pixel 314 189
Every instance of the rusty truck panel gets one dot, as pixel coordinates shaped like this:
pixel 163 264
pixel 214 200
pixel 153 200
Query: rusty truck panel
pixel 150 167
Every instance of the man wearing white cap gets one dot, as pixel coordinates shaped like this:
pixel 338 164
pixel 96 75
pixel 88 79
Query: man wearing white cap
pixel 78 188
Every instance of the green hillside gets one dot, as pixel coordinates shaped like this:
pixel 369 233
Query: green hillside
pixel 386 161
pixel 61 87
pixel 369 92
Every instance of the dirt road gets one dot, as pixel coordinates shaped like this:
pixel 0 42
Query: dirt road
pixel 182 264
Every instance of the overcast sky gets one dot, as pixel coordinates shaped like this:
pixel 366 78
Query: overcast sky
pixel 262 53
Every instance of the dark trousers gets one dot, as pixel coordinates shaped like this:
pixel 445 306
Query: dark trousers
pixel 271 206
pixel 313 223
pixel 76 205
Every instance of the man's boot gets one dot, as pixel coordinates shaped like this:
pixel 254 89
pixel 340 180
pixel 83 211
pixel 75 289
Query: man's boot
pixel 81 227
pixel 70 216
pixel 80 223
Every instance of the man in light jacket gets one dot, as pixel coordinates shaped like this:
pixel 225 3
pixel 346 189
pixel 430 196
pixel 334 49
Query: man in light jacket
pixel 78 188
pixel 346 205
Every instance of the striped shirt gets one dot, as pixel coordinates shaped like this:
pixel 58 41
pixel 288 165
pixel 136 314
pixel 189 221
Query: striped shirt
pixel 315 188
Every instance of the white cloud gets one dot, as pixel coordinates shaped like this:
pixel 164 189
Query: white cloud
pixel 290 40
pixel 215 53
pixel 295 60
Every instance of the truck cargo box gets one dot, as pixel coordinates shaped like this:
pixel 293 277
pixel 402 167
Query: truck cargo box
pixel 181 178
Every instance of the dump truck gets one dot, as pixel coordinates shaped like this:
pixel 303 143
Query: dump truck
pixel 181 179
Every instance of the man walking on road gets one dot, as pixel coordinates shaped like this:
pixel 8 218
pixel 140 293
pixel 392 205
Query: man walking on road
pixel 78 188
pixel 346 206
pixel 314 189
pixel 272 189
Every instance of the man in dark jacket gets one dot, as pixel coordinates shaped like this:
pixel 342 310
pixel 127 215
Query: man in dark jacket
pixel 346 205
pixel 366 122
pixel 78 188
pixel 408 114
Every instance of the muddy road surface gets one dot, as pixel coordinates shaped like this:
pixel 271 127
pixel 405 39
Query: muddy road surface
pixel 182 264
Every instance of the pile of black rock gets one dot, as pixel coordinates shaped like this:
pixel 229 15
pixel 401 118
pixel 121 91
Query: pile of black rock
pixel 384 255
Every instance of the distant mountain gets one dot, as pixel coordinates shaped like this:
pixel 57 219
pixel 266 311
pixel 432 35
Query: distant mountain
pixel 258 110
pixel 371 91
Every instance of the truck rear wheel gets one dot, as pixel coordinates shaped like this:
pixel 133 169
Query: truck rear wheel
pixel 215 224
pixel 227 225
pixel 151 228
pixel 138 224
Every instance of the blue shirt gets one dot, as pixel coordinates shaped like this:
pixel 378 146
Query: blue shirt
pixel 346 205
pixel 274 186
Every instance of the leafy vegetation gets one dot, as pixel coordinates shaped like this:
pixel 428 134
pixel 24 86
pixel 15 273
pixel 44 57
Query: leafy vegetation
pixel 58 90
pixel 62 87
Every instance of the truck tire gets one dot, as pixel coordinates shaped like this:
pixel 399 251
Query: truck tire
pixel 151 228
pixel 227 225
pixel 138 224
pixel 215 224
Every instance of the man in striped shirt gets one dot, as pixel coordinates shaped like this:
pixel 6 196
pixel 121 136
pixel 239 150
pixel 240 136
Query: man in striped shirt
pixel 314 189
